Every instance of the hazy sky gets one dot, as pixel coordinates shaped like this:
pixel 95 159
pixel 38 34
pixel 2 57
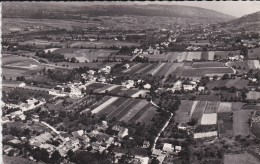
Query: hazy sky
pixel 234 8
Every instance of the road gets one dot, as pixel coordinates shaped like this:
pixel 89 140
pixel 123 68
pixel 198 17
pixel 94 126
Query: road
pixel 234 71
pixel 165 125
pixel 51 127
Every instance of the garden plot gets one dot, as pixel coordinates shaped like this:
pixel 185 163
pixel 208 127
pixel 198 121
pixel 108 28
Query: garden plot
pixel 209 119
pixel 199 110
pixel 183 113
pixel 244 158
pixel 224 107
pixel 156 69
pixel 102 106
pixel 240 122
pixel 225 125
pixel 193 56
pixel 212 107
pixel 207 64
pixel 252 95
pixel 131 68
pixel 133 111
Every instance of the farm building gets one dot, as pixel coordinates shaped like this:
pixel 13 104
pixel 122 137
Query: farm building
pixel 209 119
pixel 206 134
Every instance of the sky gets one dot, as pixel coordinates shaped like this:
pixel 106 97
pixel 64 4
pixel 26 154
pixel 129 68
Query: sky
pixel 234 8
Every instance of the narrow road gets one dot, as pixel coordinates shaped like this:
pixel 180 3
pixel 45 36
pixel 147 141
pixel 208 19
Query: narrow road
pixel 49 126
pixel 165 125
pixel 234 71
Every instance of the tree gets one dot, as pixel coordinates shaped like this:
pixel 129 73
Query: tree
pixel 225 77
pixel 55 156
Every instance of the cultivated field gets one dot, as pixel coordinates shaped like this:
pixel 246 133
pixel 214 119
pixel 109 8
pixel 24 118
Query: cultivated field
pixel 89 54
pixel 126 109
pixel 225 107
pixel 207 64
pixel 238 83
pixel 212 107
pixel 101 44
pixel 199 110
pixel 252 95
pixel 255 129
pixel 244 158
pixel 254 53
pixel 209 119
pixel 183 113
pixel 240 122
pixel 225 125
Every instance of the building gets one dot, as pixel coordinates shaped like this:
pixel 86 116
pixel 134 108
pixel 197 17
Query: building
pixel 201 88
pixel 188 87
pixel 147 86
pixel 156 152
pixel 146 144
pixel 167 148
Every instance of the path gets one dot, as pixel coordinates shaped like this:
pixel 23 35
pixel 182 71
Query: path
pixel 49 126
pixel 234 71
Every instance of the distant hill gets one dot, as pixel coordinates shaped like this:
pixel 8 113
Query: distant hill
pixel 250 22
pixel 30 9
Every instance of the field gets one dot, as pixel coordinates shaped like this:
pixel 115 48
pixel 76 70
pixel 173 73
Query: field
pixel 209 119
pixel 199 110
pixel 244 158
pixel 200 72
pixel 225 125
pixel 156 69
pixel 89 54
pixel 254 53
pixel 126 110
pixel 180 56
pixel 38 43
pixel 212 107
pixel 225 107
pixel 15 160
pixel 238 83
pixel 241 66
pixel 255 129
pixel 183 113
pixel 101 44
pixel 207 64
pixel 225 54
pixel 253 64
pixel 240 122
pixel 252 95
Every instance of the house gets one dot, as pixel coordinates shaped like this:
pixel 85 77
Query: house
pixel 147 86
pixel 5 120
pixel 110 141
pixel 201 88
pixel 161 158
pixel 105 70
pixel 181 127
pixel 126 66
pixel 188 87
pixel 65 136
pixel 35 118
pixel 146 144
pixel 177 85
pixel 101 79
pixel 122 132
pixel 128 83
pixel 22 117
pixel 177 149
pixel 22 85
pixel 167 148
pixel 91 72
pixel 156 152
pixel 78 134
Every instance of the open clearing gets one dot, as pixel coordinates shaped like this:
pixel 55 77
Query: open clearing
pixel 225 107
pixel 209 119
pixel 255 129
pixel 240 122
pixel 252 95
pixel 244 158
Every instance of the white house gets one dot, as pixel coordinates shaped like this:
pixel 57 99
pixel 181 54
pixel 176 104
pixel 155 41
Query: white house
pixel 22 85
pixel 147 86
pixel 188 87
pixel 177 85
pixel 123 132
pixel 201 88
pixel 167 148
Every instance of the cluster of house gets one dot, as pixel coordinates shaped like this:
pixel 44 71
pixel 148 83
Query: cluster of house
pixel 75 90
pixel 186 86
pixel 30 104
pixel 94 141
pixel 167 150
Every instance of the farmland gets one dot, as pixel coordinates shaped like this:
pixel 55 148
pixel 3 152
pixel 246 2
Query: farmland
pixel 254 53
pixel 199 110
pixel 252 95
pixel 212 107
pixel 225 107
pixel 101 44
pixel 240 122
pixel 183 113
pixel 244 158
pixel 180 56
pixel 126 109
pixel 89 54
pixel 225 125
pixel 238 83
pixel 255 129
